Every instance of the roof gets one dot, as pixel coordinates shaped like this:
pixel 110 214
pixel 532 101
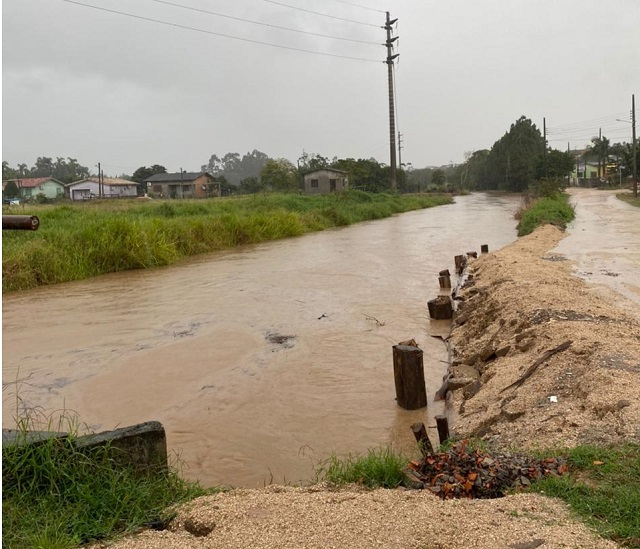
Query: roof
pixel 111 181
pixel 325 170
pixel 30 182
pixel 176 176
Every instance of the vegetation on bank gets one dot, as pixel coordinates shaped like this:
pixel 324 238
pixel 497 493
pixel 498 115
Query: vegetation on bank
pixel 78 241
pixel 602 485
pixel 603 488
pixel 56 496
pixel 379 468
pixel 628 198
pixel 554 209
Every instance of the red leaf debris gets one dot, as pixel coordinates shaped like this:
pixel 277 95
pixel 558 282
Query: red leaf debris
pixel 462 472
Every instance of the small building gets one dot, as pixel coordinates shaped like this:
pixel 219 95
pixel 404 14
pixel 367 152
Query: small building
pixel 183 185
pixel 33 186
pixel 325 180
pixel 112 187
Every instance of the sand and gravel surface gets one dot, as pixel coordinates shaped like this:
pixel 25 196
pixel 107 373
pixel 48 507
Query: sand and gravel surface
pixel 523 302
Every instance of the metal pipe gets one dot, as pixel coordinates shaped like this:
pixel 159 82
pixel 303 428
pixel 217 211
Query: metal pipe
pixel 20 223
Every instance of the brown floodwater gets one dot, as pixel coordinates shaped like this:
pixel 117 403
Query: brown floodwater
pixel 604 243
pixel 261 361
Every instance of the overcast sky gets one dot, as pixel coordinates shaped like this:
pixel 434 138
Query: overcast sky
pixel 127 92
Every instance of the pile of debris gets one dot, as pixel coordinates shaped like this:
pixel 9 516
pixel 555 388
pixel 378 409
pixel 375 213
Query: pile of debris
pixel 463 472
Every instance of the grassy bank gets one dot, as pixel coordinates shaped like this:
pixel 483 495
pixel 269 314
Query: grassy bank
pixel 55 496
pixel 603 488
pixel 628 198
pixel 78 241
pixel 555 210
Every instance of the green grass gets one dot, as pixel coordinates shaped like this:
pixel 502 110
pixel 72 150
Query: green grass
pixel 56 496
pixel 555 210
pixel 628 198
pixel 603 488
pixel 379 468
pixel 78 241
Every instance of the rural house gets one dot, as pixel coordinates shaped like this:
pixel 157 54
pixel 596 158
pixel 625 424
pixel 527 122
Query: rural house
pixel 183 185
pixel 325 180
pixel 32 187
pixel 112 187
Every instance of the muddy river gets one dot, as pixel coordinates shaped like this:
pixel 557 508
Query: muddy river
pixel 260 362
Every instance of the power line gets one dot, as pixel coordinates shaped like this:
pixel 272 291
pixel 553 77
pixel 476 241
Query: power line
pixel 182 6
pixel 322 14
pixel 359 6
pixel 184 27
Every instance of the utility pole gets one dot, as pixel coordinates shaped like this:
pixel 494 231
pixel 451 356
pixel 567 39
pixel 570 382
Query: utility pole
pixel 99 184
pixel 633 146
pixel 399 149
pixel 544 133
pixel 392 122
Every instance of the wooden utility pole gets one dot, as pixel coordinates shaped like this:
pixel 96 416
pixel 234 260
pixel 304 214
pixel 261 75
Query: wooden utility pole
pixel 392 121
pixel 633 146
pixel 99 182
pixel 544 134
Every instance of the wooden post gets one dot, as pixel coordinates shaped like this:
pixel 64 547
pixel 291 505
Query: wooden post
pixel 440 308
pixel 460 261
pixel 484 249
pixel 474 255
pixel 408 373
pixel 444 281
pixel 443 428
pixel 420 432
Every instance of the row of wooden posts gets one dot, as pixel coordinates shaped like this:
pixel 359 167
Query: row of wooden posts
pixel 408 367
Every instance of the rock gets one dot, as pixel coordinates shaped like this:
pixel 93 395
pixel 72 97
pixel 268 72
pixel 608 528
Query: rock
pixel 471 390
pixel 456 383
pixel 503 351
pixel 533 544
pixel 524 346
pixel 623 404
pixel 463 370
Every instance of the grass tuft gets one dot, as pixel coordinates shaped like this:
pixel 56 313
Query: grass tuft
pixel 603 488
pixel 554 210
pixel 57 496
pixel 380 468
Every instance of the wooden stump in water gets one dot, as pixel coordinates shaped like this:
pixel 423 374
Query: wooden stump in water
pixel 473 255
pixel 461 263
pixel 443 428
pixel 444 281
pixel 484 249
pixel 408 373
pixel 440 308
pixel 420 432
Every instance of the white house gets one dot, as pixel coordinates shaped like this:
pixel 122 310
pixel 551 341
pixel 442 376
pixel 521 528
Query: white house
pixel 112 187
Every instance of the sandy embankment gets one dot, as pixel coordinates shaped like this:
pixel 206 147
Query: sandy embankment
pixel 523 302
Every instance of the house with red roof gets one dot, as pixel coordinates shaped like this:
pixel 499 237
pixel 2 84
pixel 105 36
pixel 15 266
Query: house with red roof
pixel 31 187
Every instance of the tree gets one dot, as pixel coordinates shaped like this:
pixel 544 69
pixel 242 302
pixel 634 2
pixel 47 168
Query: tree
pixel 143 173
pixel 250 185
pixel 11 190
pixel 279 175
pixel 235 168
pixel 439 177
pixel 8 172
pixel 599 149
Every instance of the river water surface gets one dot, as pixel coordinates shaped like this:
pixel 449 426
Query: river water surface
pixel 260 361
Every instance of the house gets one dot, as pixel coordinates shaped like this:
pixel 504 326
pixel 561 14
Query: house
pixel 112 187
pixel 183 185
pixel 33 186
pixel 325 180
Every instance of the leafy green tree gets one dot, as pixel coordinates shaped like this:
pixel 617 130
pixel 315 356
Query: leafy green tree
pixel 143 173
pixel 235 168
pixel 11 190
pixel 439 177
pixel 250 185
pixel 279 175
pixel 8 172
pixel 556 164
